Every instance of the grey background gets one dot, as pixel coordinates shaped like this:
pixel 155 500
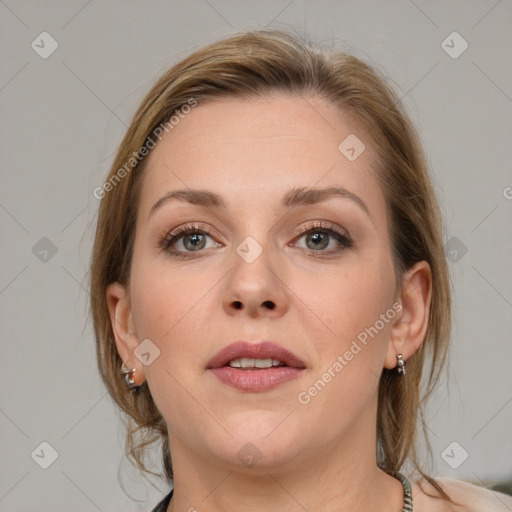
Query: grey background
pixel 62 119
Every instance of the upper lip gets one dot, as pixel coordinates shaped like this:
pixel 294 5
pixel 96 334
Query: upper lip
pixel 260 350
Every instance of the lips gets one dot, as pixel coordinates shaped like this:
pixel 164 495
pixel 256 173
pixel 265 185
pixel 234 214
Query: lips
pixel 262 350
pixel 245 366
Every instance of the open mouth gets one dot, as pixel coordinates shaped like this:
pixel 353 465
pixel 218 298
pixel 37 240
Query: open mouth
pixel 255 367
pixel 266 354
pixel 246 363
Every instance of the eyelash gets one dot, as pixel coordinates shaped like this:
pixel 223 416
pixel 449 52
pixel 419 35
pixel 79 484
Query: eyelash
pixel 311 227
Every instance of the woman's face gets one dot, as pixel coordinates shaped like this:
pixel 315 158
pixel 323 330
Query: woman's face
pixel 263 266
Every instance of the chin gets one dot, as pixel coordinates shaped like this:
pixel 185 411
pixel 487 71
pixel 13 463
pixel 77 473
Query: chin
pixel 262 440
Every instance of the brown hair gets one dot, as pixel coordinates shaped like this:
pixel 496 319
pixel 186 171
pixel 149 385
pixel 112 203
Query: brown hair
pixel 255 64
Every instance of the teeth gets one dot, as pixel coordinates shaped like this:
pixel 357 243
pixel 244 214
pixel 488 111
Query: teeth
pixel 246 362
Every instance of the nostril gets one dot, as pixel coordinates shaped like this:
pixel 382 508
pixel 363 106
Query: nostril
pixel 269 304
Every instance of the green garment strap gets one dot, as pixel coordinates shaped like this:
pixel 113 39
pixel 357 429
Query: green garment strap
pixel 407 492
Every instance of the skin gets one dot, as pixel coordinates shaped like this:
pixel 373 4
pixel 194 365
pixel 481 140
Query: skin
pixel 315 456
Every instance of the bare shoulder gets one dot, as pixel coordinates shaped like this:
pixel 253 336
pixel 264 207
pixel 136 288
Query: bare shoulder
pixel 469 497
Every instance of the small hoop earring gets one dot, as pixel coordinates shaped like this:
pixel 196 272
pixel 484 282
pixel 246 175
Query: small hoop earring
pixel 128 377
pixel 400 365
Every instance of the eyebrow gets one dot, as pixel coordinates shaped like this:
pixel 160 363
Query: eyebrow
pixel 294 197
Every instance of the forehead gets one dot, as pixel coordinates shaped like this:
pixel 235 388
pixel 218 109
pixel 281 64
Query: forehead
pixel 260 148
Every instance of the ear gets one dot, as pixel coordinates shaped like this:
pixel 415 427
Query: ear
pixel 410 325
pixel 121 319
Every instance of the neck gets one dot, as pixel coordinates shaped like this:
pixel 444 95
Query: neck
pixel 342 476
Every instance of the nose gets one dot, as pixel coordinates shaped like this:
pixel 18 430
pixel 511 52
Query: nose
pixel 256 289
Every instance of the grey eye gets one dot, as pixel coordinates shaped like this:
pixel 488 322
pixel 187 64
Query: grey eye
pixel 194 241
pixel 319 240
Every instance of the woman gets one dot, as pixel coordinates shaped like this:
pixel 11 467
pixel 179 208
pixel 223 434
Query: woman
pixel 268 285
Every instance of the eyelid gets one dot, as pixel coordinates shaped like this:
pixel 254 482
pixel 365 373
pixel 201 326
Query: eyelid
pixel 321 224
pixel 171 236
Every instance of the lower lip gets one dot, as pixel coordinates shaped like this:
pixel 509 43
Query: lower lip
pixel 256 380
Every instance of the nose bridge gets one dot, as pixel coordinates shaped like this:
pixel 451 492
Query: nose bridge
pixel 254 285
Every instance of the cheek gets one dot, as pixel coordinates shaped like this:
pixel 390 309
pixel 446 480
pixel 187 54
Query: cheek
pixel 354 312
pixel 169 309
pixel 173 308
pixel 350 356
pixel 345 301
